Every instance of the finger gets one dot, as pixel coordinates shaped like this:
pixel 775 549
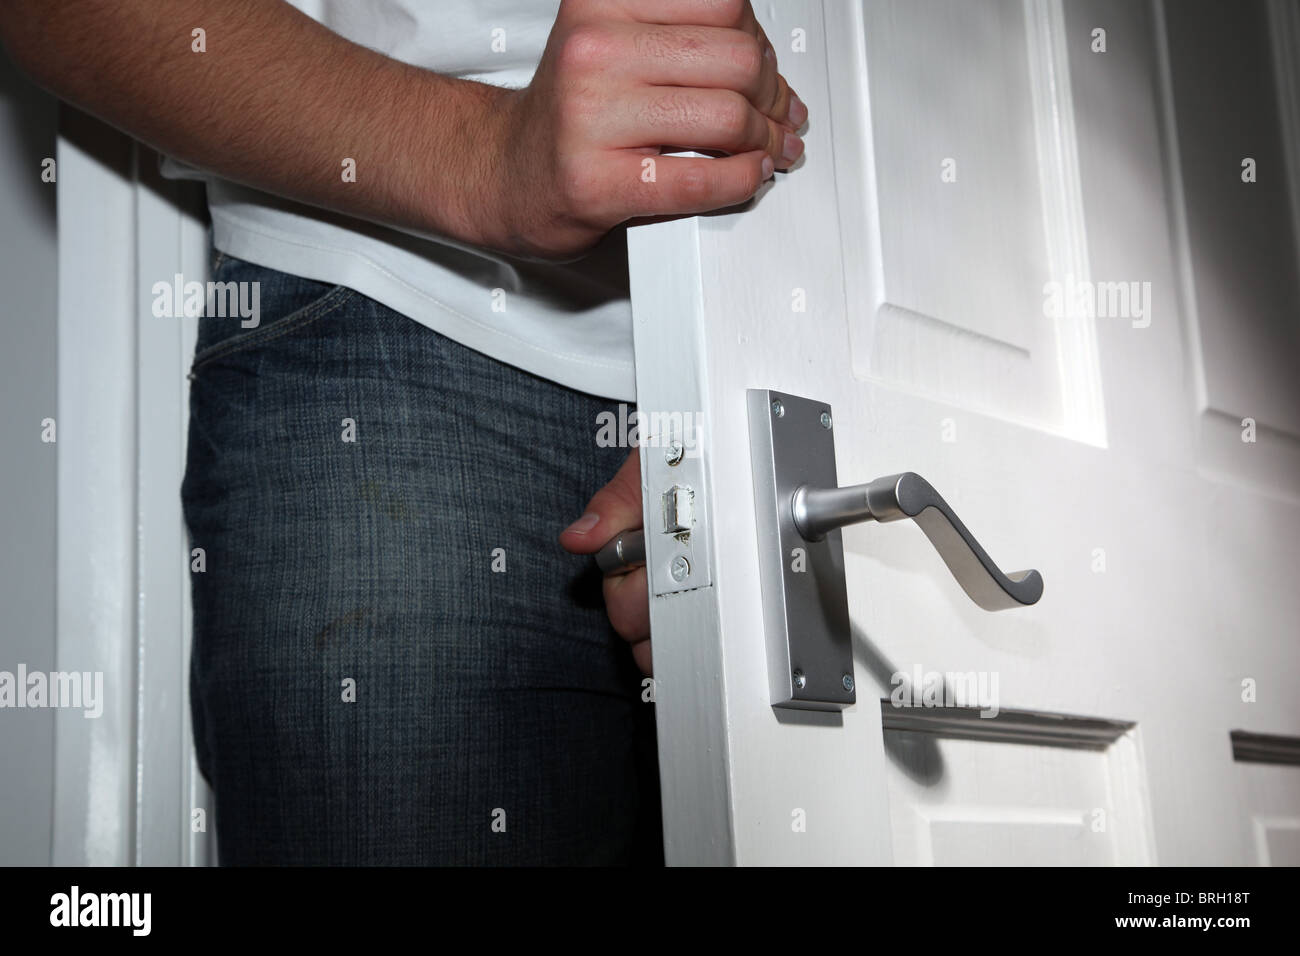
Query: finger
pixel 785 106
pixel 687 185
pixel 710 58
pixel 627 602
pixel 780 103
pixel 709 13
pixel 696 119
pixel 615 508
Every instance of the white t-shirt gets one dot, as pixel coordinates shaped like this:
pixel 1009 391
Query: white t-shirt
pixel 569 323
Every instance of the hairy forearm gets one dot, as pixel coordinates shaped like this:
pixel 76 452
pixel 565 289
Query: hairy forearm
pixel 277 102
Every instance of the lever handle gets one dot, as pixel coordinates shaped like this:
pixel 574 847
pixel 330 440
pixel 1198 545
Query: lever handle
pixel 625 551
pixel 821 510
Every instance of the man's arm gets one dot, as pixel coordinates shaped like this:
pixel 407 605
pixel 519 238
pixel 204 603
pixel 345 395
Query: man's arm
pixel 278 101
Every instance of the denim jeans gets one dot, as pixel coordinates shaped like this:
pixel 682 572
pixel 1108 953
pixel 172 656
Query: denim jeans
pixel 394 662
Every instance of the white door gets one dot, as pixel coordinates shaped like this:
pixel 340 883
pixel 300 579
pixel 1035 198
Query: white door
pixel 974 171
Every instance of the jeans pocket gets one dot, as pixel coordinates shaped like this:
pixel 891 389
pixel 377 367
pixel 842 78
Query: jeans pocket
pixel 255 305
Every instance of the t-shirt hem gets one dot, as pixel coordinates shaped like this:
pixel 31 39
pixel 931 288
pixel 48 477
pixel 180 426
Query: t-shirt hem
pixel 244 240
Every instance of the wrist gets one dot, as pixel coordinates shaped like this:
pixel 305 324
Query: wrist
pixel 502 173
pixel 461 170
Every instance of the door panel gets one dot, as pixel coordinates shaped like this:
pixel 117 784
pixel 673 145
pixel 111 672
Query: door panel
pixel 972 787
pixel 1231 96
pixel 980 803
pixel 965 188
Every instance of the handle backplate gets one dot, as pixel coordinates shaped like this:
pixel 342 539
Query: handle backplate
pixel 805 605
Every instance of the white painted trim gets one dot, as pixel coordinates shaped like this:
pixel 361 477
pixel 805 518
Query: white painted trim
pixel 1063 219
pixel 1130 799
pixel 94 759
pixel 124 783
pixel 690 693
pixel 169 240
pixel 1177 199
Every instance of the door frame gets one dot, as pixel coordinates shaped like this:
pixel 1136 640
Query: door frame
pixel 126 785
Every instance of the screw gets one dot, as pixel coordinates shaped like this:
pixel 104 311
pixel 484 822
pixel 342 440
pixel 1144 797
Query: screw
pixel 847 681
pixel 826 420
pixel 680 568
pixel 800 682
pixel 778 409
pixel 674 453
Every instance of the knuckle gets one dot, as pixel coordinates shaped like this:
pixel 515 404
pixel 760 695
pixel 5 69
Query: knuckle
pixel 733 117
pixel 694 185
pixel 731 11
pixel 747 56
pixel 586 47
pixel 577 196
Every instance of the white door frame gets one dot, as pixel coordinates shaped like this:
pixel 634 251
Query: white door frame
pixel 126 784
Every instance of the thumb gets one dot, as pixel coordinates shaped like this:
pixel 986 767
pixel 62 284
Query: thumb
pixel 613 509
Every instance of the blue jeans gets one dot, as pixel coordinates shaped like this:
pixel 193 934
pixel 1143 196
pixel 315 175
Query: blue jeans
pixel 394 661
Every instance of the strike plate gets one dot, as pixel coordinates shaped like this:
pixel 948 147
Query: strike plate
pixel 805 603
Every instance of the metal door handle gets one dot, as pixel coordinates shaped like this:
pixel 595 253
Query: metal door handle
pixel 817 511
pixel 625 551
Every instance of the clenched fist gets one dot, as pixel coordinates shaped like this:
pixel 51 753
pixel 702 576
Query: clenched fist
pixel 621 81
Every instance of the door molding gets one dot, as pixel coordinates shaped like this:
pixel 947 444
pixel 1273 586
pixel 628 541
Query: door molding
pixel 1014 726
pixel 125 783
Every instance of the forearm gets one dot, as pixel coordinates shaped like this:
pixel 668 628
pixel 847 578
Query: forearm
pixel 278 102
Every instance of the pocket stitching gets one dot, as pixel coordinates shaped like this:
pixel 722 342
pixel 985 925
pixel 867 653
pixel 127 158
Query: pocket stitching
pixel 280 327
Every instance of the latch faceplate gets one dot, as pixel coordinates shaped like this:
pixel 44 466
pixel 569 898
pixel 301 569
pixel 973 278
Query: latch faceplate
pixel 677 539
